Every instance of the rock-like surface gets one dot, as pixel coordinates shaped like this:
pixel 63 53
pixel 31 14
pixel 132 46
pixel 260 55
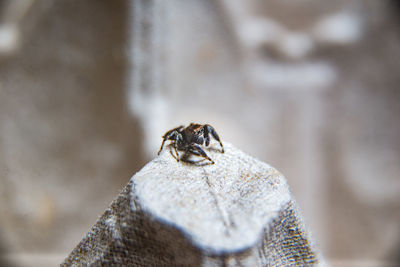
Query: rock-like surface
pixel 237 212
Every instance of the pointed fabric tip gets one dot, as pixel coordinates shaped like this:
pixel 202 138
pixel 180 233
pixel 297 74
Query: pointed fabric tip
pixel 238 211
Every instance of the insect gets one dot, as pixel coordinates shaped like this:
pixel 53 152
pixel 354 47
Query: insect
pixel 189 139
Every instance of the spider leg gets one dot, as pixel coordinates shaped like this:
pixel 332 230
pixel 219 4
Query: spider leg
pixel 206 135
pixel 162 146
pixel 170 135
pixel 197 150
pixel 175 129
pixel 178 139
pixel 209 129
pixel 176 151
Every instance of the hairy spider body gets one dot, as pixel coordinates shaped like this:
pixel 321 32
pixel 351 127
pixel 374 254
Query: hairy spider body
pixel 189 139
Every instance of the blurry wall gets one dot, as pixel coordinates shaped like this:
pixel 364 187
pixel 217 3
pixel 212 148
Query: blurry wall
pixel 88 87
pixel 67 141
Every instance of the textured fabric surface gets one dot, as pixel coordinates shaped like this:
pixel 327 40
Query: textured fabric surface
pixel 132 232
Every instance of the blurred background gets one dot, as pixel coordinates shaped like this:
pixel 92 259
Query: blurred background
pixel 311 87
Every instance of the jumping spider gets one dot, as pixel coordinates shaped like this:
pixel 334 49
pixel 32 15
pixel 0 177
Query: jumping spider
pixel 190 138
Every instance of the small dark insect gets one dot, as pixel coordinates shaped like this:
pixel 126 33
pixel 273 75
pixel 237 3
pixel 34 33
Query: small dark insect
pixel 190 138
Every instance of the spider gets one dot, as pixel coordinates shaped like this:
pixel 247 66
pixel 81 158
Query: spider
pixel 189 139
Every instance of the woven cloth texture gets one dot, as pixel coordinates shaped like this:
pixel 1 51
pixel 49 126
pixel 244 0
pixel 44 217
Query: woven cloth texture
pixel 130 234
